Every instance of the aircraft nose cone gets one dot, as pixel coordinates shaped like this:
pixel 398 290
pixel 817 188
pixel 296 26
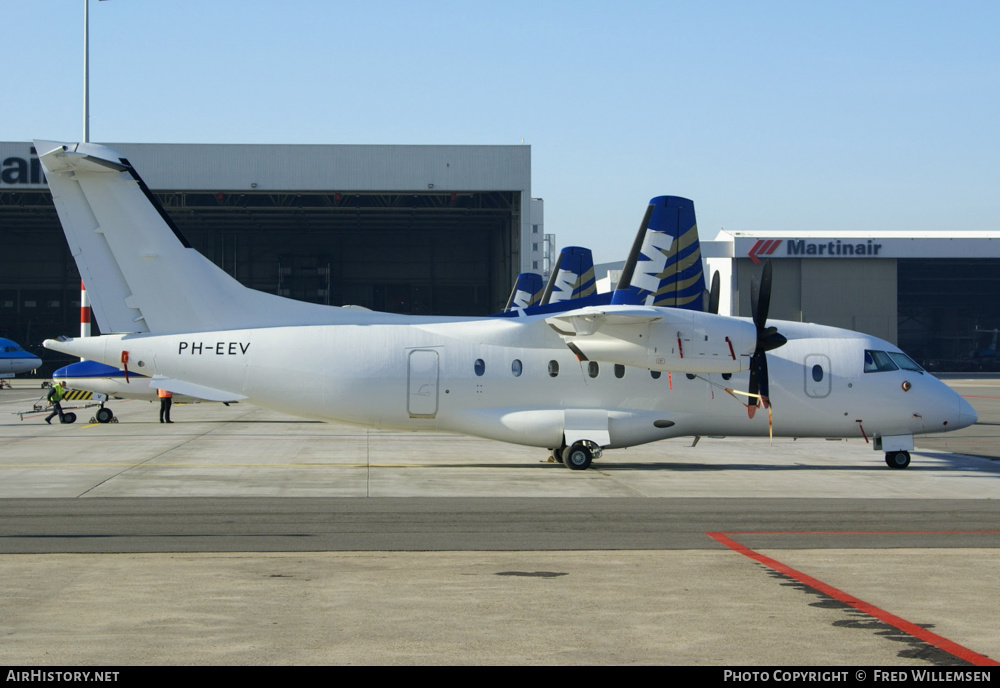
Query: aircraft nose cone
pixel 966 414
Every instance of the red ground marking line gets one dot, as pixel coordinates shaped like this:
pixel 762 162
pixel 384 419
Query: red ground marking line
pixel 916 631
pixel 862 532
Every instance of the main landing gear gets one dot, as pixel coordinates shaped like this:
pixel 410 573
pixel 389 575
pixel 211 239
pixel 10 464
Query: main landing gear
pixel 577 457
pixel 898 459
pixel 104 415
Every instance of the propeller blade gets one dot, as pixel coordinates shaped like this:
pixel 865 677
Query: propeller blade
pixel 763 299
pixel 765 400
pixel 768 338
pixel 713 294
pixel 752 387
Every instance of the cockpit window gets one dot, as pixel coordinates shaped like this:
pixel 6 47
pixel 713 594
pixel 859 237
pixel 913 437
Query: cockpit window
pixel 904 361
pixel 878 362
pixel 881 361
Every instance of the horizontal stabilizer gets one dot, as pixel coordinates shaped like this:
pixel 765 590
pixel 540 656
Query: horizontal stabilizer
pixel 192 390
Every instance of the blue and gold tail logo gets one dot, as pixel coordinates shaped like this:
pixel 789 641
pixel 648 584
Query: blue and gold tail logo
pixel 665 267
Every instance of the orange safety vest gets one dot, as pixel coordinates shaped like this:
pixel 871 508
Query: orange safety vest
pixel 163 393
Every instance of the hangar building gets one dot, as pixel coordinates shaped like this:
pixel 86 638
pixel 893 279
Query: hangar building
pixel 407 229
pixel 934 294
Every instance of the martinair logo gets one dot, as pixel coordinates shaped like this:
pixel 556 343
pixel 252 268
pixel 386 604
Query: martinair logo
pixel 800 247
pixel 763 247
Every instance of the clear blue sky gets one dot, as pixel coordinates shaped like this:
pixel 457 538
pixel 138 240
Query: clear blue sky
pixel 769 115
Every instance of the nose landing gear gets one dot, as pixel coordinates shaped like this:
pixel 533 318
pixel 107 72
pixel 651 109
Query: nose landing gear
pixel 898 460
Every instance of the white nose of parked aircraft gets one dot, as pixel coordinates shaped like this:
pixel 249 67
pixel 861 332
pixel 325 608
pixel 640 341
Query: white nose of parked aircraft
pixel 966 414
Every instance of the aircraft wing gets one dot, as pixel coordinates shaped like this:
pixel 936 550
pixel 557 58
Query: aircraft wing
pixel 583 322
pixel 665 339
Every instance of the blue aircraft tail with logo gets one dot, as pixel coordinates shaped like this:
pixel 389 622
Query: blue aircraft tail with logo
pixel 664 267
pixel 572 277
pixel 527 292
pixel 572 284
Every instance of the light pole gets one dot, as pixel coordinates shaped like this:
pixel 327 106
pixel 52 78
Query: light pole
pixel 84 300
pixel 86 71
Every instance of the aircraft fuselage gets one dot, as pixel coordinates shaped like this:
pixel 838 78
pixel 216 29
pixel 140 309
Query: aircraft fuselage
pixel 15 360
pixel 515 380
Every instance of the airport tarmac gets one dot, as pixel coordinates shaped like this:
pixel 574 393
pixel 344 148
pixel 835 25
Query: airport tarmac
pixel 240 536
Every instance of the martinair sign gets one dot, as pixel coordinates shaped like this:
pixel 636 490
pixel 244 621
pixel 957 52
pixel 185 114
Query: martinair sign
pixel 876 246
pixel 794 248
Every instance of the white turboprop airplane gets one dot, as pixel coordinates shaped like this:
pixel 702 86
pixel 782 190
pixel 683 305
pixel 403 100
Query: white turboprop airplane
pixel 112 383
pixel 575 382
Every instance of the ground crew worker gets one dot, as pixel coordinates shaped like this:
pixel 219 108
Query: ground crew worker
pixel 56 394
pixel 166 399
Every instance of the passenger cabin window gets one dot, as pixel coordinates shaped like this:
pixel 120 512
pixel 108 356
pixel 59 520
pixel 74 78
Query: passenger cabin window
pixel 619 370
pixel 593 368
pixel 553 368
pixel 480 367
pixel 817 373
pixel 516 367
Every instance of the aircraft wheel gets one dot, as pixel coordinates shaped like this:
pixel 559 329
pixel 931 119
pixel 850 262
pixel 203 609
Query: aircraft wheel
pixel 104 415
pixel 578 457
pixel 68 418
pixel 898 460
pixel 557 454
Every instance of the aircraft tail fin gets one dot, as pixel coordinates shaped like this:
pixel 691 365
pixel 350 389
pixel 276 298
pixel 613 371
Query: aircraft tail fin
pixel 526 293
pixel 664 267
pixel 140 272
pixel 572 276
